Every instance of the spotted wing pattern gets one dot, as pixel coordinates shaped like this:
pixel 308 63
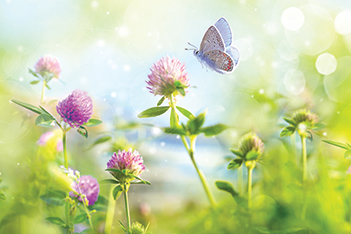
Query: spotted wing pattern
pixel 234 54
pixel 219 61
pixel 212 40
pixel 224 29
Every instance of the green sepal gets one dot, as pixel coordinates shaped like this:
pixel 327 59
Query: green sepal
pixel 141 180
pixel 83 131
pixel 252 155
pixel 110 181
pixel 237 152
pixel 2 196
pixel 47 86
pixel 92 123
pixel 80 218
pixel 177 130
pixel 177 83
pixel 100 140
pixel 235 163
pixel 45 120
pixel 159 103
pixel 185 112
pixel 47 76
pixel 34 82
pixel 290 121
pixel 227 187
pixel 214 130
pixel 337 144
pixel 56 220
pixel 181 91
pixel 28 106
pixel 287 131
pixel 117 191
pixel 153 112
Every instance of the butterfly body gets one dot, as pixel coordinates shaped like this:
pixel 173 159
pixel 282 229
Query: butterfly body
pixel 216 51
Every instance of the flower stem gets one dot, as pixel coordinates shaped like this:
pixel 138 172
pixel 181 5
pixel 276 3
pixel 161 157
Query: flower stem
pixel 89 215
pixel 240 180
pixel 110 212
pixel 64 148
pixel 43 92
pixel 249 188
pixel 304 158
pixel 127 210
pixel 67 213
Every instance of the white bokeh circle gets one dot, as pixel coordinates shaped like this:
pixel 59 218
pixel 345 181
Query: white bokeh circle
pixel 326 64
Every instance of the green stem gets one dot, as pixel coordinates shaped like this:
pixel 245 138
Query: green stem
pixel 249 188
pixel 127 209
pixel 64 149
pixel 191 151
pixel 67 211
pixel 240 180
pixel 89 216
pixel 304 158
pixel 43 92
pixel 110 212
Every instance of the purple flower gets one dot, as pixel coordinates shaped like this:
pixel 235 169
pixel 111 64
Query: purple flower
pixel 166 75
pixel 131 161
pixel 76 109
pixel 45 137
pixel 49 64
pixel 48 137
pixel 86 187
pixel 251 143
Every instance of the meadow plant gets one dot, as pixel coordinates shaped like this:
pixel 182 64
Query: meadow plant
pixel 125 167
pixel 169 79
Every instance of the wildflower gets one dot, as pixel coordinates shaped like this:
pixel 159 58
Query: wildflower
pixel 168 77
pixel 76 109
pixel 86 188
pixel 304 122
pixel 128 162
pixel 48 65
pixel 52 139
pixel 138 228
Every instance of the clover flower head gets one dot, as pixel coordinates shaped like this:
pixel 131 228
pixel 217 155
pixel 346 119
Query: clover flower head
pixel 167 77
pixel 76 109
pixel 49 64
pixel 251 143
pixel 86 188
pixel 304 115
pixel 137 228
pixel 130 161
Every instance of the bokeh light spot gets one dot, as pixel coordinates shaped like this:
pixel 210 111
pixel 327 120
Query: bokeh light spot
pixel 294 81
pixel 292 18
pixel 342 23
pixel 326 64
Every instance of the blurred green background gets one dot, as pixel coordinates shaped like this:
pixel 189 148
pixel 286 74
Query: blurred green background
pixel 294 54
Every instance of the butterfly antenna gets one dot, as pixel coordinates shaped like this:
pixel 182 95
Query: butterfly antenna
pixel 195 48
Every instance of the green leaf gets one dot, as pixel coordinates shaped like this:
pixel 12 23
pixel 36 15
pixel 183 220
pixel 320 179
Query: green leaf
pixel 48 113
pixel 347 153
pixel 47 86
pixel 337 144
pixel 54 197
pixel 287 131
pixel 214 130
pixel 185 112
pixel 110 181
pixel 252 155
pixel 318 126
pixel 122 226
pixel 226 186
pixel 100 140
pixel 34 82
pixel 33 73
pixel 174 119
pixel 117 191
pixel 235 163
pixel 83 131
pixel 177 131
pixel 237 152
pixel 92 122
pixel 153 112
pixel 45 120
pixel 181 90
pixel 56 220
pixel 194 124
pixel 141 180
pixel 28 106
pixel 2 196
pixel 290 121
pixel 159 103
pixel 80 218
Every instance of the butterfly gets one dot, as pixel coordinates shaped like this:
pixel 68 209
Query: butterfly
pixel 216 49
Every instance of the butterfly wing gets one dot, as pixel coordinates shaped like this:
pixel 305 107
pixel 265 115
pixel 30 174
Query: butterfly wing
pixel 224 29
pixel 212 40
pixel 219 61
pixel 234 54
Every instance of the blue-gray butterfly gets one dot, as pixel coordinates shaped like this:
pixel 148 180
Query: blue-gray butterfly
pixel 216 49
